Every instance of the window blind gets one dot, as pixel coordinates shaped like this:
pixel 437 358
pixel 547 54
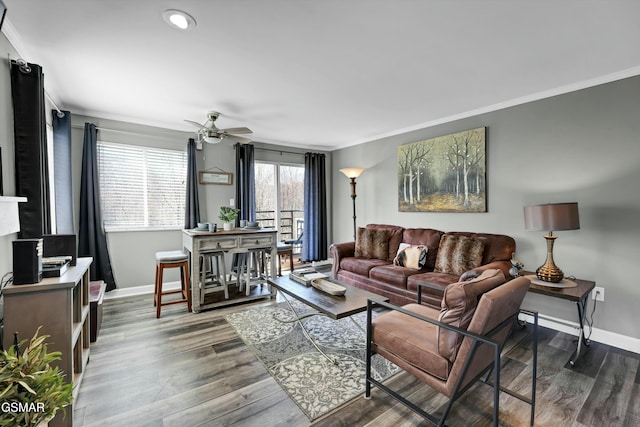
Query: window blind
pixel 141 187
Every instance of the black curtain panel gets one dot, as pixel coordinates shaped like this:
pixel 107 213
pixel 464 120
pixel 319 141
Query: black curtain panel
pixel 30 136
pixel 192 205
pixel 245 182
pixel 315 242
pixel 62 180
pixel 92 240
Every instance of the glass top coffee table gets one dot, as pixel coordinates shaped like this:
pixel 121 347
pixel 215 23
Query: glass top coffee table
pixel 336 307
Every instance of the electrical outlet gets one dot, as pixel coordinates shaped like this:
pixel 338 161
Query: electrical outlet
pixel 597 293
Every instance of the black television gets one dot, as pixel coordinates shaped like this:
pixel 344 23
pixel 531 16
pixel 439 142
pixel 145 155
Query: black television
pixel 3 12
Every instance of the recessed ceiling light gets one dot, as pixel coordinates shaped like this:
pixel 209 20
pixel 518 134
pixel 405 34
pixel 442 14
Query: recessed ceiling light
pixel 179 19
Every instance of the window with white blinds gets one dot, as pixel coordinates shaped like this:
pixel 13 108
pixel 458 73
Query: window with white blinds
pixel 141 187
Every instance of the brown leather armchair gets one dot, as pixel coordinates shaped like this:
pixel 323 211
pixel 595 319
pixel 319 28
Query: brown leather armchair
pixel 451 348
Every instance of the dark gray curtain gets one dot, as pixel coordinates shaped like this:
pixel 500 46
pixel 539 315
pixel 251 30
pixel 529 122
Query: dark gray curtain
pixel 62 172
pixel 245 182
pixel 30 136
pixel 192 205
pixel 92 241
pixel 315 242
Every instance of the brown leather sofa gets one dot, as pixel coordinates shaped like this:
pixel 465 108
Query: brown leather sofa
pixel 400 284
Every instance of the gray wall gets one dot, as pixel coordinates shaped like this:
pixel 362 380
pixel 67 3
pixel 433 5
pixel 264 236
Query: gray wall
pixel 582 146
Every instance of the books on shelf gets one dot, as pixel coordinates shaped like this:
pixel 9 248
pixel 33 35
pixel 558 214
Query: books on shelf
pixel 306 275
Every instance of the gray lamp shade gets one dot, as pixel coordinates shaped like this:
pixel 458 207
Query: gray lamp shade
pixel 552 217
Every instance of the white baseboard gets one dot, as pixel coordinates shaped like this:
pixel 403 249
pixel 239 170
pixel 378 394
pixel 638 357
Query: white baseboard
pixel 323 262
pixel 598 335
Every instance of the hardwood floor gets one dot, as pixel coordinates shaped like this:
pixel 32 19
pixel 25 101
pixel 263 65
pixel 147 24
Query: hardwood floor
pixel 192 370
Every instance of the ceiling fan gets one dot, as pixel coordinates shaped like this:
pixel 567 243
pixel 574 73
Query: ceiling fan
pixel 208 132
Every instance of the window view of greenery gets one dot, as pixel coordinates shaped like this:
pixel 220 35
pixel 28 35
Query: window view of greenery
pixel 280 197
pixel 141 187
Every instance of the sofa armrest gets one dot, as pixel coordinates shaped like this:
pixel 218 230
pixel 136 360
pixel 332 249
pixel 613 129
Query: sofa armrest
pixel 500 265
pixel 338 251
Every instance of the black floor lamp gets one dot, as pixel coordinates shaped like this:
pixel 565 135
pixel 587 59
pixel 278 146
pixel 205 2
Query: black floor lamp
pixel 352 174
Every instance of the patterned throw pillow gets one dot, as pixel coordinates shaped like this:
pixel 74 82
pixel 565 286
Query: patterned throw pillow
pixel 372 243
pixel 458 254
pixel 410 256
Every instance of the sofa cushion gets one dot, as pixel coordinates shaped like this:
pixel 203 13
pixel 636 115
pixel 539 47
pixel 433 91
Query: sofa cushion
pixel 361 266
pixel 396 333
pixel 457 254
pixel 372 243
pixel 392 275
pixel 433 279
pixel 411 256
pixel 458 305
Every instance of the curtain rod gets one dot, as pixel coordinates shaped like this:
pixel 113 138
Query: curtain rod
pixel 279 151
pixel 24 67
pixel 60 113
pixel 124 131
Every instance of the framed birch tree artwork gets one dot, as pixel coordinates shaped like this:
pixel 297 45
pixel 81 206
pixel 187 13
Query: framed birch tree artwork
pixel 444 174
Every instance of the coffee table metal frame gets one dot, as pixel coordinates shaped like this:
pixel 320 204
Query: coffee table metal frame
pixel 335 307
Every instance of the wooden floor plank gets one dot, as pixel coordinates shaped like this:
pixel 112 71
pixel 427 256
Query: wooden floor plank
pixel 187 369
pixel 609 399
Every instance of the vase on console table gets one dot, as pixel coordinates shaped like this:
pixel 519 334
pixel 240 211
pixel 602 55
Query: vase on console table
pixel 516 266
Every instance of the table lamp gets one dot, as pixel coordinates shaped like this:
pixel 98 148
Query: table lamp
pixel 551 217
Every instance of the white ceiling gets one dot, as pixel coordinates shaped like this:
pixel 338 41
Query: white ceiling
pixel 321 74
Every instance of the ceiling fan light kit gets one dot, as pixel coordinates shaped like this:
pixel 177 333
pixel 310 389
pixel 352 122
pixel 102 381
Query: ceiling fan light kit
pixel 211 134
pixel 211 139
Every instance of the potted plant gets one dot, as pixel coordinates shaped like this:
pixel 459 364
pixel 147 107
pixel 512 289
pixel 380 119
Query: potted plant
pixel 228 215
pixel 31 390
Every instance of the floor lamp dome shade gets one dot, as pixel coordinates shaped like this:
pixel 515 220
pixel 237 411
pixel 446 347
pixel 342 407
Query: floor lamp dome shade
pixel 352 174
pixel 551 217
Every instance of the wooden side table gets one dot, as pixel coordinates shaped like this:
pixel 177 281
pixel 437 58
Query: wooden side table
pixel 578 294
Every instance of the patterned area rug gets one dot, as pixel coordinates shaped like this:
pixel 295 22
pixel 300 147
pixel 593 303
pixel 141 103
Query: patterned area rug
pixel 313 382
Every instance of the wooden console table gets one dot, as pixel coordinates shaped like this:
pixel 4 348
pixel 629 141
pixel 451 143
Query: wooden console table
pixel 578 294
pixel 61 306
pixel 235 241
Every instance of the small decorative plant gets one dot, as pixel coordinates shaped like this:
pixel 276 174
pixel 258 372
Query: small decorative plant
pixel 31 390
pixel 228 213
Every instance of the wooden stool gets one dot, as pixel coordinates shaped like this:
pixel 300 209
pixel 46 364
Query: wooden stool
pixel 172 259
pixel 217 279
pixel 286 250
pixel 253 265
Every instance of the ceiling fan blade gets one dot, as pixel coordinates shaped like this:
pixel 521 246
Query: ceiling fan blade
pixel 240 130
pixel 196 124
pixel 240 139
